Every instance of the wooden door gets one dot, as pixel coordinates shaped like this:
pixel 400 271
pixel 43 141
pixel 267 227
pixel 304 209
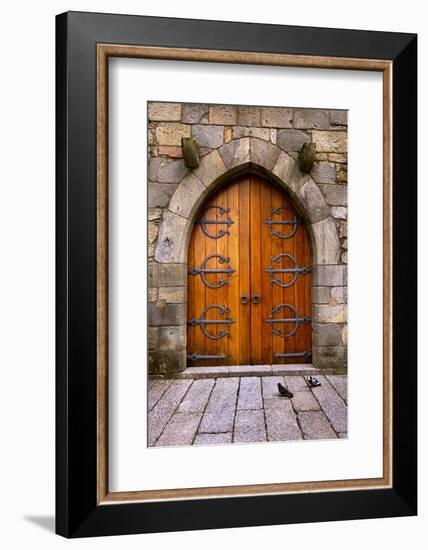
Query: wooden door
pixel 249 280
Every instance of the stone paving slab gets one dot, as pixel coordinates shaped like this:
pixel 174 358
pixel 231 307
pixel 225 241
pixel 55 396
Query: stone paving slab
pixel 249 426
pixel 340 384
pixel 164 409
pixel 315 425
pixel 305 401
pixel 213 439
pixel 281 421
pixel 180 430
pixel 156 389
pixel 196 398
pixel 218 411
pixel 332 404
pixel 250 394
pixel 221 407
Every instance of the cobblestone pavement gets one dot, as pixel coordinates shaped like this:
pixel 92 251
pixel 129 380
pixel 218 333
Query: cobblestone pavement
pixel 244 410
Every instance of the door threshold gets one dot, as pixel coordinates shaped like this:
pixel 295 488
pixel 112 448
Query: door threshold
pixel 301 369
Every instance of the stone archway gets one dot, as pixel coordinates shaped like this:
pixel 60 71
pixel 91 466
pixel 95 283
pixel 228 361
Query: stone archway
pixel 170 268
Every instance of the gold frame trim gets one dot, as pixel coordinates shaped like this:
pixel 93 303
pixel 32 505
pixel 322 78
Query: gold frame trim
pixel 104 51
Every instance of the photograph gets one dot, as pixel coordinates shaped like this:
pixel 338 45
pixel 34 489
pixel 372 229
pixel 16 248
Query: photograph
pixel 247 273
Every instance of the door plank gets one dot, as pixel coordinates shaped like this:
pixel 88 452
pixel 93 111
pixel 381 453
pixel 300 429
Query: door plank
pixel 233 288
pixel 244 271
pixel 265 244
pixel 255 267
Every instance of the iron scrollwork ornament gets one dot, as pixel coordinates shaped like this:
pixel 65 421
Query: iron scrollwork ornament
pixel 294 319
pixel 202 321
pixel 203 270
pixel 295 270
pixel 293 222
pixel 204 221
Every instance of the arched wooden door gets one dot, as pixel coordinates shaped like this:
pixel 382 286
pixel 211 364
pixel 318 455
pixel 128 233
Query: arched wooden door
pixel 249 280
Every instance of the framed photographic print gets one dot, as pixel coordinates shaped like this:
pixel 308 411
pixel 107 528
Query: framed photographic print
pixel 236 269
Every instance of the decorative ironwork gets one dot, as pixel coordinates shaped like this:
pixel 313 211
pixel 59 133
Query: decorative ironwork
pixel 245 299
pixel 304 354
pixel 296 270
pixel 202 321
pixel 202 270
pixel 203 222
pixel 256 299
pixel 196 357
pixel 294 319
pixel 294 222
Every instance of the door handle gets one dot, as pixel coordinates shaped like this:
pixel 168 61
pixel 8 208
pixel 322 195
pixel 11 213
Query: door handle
pixel 245 299
pixel 256 299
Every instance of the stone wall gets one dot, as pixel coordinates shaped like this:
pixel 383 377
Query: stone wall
pixel 233 137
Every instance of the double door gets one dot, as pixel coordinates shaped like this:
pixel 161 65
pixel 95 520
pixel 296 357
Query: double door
pixel 249 279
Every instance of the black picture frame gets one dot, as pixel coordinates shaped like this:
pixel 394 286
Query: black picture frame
pixel 77 511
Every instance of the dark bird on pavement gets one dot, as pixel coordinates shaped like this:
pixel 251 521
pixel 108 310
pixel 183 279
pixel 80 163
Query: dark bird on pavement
pixel 283 390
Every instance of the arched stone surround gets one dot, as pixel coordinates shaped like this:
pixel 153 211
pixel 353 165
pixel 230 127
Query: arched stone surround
pixel 168 272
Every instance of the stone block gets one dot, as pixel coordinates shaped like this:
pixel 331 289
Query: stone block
pixel 170 151
pixel 339 212
pixel 223 114
pixel 250 395
pixel 315 425
pixel 227 137
pixel 263 153
pixel 342 228
pixel 310 118
pixel 292 140
pixel 220 411
pixel 171 245
pixel 341 173
pixel 249 426
pixel 328 334
pixel 313 202
pixel 337 157
pixel 213 439
pixel 321 294
pixel 326 313
pixel 329 275
pixel 340 384
pixel 166 314
pixel 170 133
pixel 155 214
pixel 168 338
pixel 332 404
pixel 157 388
pixel 277 117
pixel 163 410
pixel 281 421
pixel 235 153
pixel 329 357
pixel 304 401
pixel 330 142
pixel 245 131
pixel 273 135
pixel 339 118
pixel 152 294
pixel 210 168
pixel 208 135
pixel 192 113
pixel 188 197
pixel 340 294
pixel 249 116
pixel 164 111
pixel 180 430
pixel 165 170
pixel 152 231
pixel 345 335
pixel 197 397
pixel 284 167
pixel 172 294
pixel 160 194
pixel 327 244
pixel 324 172
pixel 296 383
pixel 335 195
pixel 167 362
pixel 169 275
